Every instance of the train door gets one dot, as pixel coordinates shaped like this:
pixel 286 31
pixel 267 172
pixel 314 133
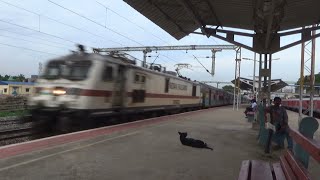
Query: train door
pixel 204 93
pixel 210 97
pixel 119 87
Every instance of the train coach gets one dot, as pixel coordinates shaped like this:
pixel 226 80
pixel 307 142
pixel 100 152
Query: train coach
pixel 76 88
pixel 293 104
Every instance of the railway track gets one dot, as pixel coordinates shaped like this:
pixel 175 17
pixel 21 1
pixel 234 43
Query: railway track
pixel 15 120
pixel 13 133
pixel 14 129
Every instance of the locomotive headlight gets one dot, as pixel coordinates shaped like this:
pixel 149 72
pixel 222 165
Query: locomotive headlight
pixel 59 92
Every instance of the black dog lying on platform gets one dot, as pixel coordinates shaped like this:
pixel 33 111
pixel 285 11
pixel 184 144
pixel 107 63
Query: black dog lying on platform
pixel 192 142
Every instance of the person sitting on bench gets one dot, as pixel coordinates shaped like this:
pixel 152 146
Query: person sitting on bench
pixel 252 107
pixel 280 118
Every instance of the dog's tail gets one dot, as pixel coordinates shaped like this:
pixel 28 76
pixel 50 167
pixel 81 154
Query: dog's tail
pixel 207 147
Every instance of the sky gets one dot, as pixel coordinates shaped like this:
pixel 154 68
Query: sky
pixel 35 31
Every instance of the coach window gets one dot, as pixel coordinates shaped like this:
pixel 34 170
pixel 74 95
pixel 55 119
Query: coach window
pixel 136 78
pixel 139 78
pixel 138 96
pixel 166 87
pixel 108 73
pixel 5 90
pixel 143 79
pixel 194 90
pixel 27 89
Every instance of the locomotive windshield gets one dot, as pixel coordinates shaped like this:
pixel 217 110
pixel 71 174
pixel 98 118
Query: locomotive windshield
pixel 71 70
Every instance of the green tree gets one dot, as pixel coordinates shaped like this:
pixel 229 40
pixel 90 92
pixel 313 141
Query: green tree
pixel 4 78
pixel 21 77
pixel 228 88
pixel 13 78
pixel 306 81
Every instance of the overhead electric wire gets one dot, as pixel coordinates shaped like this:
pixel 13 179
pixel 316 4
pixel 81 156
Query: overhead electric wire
pixel 35 13
pixel 10 4
pixel 137 26
pixel 117 32
pixel 27 49
pixel 83 30
pixel 19 7
pixel 58 37
pixel 33 42
pixel 36 38
pixel 201 64
pixel 101 25
pixel 95 22
pixel 155 59
pixel 170 59
pixel 132 22
pixel 74 27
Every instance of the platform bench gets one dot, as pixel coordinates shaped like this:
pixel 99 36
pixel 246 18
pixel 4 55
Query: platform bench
pixel 250 115
pixel 292 165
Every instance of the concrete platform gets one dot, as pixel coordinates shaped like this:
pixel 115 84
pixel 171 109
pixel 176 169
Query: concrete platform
pixel 142 150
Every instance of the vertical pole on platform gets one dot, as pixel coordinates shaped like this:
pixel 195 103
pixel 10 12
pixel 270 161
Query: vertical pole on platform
pixel 301 80
pixel 237 79
pixel 254 77
pixel 264 76
pixel 259 85
pixel 312 79
pixel 239 93
pixel 269 80
pixel 235 84
pixel 238 60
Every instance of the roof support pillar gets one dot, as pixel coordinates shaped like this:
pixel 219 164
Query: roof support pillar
pixel 312 77
pixel 236 90
pixel 259 85
pixel 265 72
pixel 301 81
pixel 254 76
pixel 307 55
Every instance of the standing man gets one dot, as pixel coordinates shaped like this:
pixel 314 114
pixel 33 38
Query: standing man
pixel 279 118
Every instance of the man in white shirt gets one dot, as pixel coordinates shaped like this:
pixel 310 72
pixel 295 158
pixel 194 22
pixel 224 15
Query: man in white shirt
pixel 252 107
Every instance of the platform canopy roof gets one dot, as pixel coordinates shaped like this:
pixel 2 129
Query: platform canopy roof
pixel 181 17
pixel 247 84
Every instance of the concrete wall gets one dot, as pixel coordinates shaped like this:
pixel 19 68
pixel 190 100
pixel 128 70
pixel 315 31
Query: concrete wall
pixel 20 89
pixel 2 89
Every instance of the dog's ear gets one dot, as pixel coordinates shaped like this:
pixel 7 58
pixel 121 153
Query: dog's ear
pixel 179 132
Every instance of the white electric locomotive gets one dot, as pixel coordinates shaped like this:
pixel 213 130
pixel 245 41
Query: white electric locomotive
pixel 80 86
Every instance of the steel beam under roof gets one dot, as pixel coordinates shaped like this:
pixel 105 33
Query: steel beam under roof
pixel 166 48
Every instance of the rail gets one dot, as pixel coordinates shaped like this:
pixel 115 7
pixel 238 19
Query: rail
pixel 8 134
